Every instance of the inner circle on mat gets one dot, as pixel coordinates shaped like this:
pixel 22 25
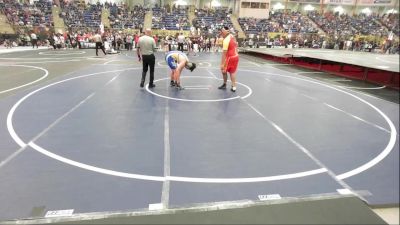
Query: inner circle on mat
pixel 24 144
pixel 62 53
pixel 153 91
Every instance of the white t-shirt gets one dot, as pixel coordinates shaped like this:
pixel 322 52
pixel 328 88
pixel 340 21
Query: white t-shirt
pixel 181 38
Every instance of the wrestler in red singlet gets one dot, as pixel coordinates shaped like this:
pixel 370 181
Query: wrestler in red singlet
pixel 229 59
pixel 232 57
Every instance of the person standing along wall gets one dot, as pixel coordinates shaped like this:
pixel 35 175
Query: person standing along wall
pixel 181 41
pixel 145 52
pixel 34 40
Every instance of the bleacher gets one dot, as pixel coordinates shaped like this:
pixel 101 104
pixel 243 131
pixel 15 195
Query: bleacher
pixel 92 16
pixel 333 23
pixel 391 22
pixel 29 15
pixel 85 17
pixel 122 18
pixel 256 26
pixel 211 20
pixel 177 19
pixel 366 25
pixel 157 20
pixel 293 22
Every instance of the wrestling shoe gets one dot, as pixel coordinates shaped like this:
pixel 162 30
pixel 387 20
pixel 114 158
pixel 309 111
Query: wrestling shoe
pixel 223 86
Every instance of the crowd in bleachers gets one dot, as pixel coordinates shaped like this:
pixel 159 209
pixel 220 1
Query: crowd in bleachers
pixel 170 18
pixel 211 20
pixel 257 26
pixel 121 17
pixel 367 25
pixel 24 14
pixel 339 29
pixel 391 21
pixel 333 23
pixel 342 25
pixel 281 22
pixel 157 19
pixel 293 22
pixel 80 16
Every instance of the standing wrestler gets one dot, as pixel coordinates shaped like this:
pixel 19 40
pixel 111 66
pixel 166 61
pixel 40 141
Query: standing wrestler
pixel 230 58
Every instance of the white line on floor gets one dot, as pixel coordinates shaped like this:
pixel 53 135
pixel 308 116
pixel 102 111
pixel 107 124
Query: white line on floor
pixel 61 118
pixel 110 62
pixel 307 72
pixel 347 113
pixel 337 80
pixel 46 72
pixel 310 97
pixel 50 126
pixel 167 159
pixel 356 117
pixel 12 156
pixel 197 88
pixel 393 134
pixel 360 88
pixel 258 65
pixel 279 64
pixel 302 148
pixel 212 74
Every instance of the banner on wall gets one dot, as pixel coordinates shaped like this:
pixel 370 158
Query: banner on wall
pixel 341 2
pixel 306 1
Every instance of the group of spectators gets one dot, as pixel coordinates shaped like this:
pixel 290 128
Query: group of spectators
pixel 323 42
pixel 80 16
pixel 170 18
pixel 340 31
pixel 280 22
pixel 391 21
pixel 83 19
pixel 29 15
pixel 333 23
pixel 192 44
pixel 210 21
pixel 121 17
pixel 343 25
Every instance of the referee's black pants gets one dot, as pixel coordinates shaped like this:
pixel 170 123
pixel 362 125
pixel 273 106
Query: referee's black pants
pixel 180 47
pixel 101 46
pixel 148 61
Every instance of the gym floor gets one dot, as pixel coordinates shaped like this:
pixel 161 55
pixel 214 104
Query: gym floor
pixel 77 132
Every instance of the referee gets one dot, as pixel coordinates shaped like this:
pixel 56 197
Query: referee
pixel 99 43
pixel 145 51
